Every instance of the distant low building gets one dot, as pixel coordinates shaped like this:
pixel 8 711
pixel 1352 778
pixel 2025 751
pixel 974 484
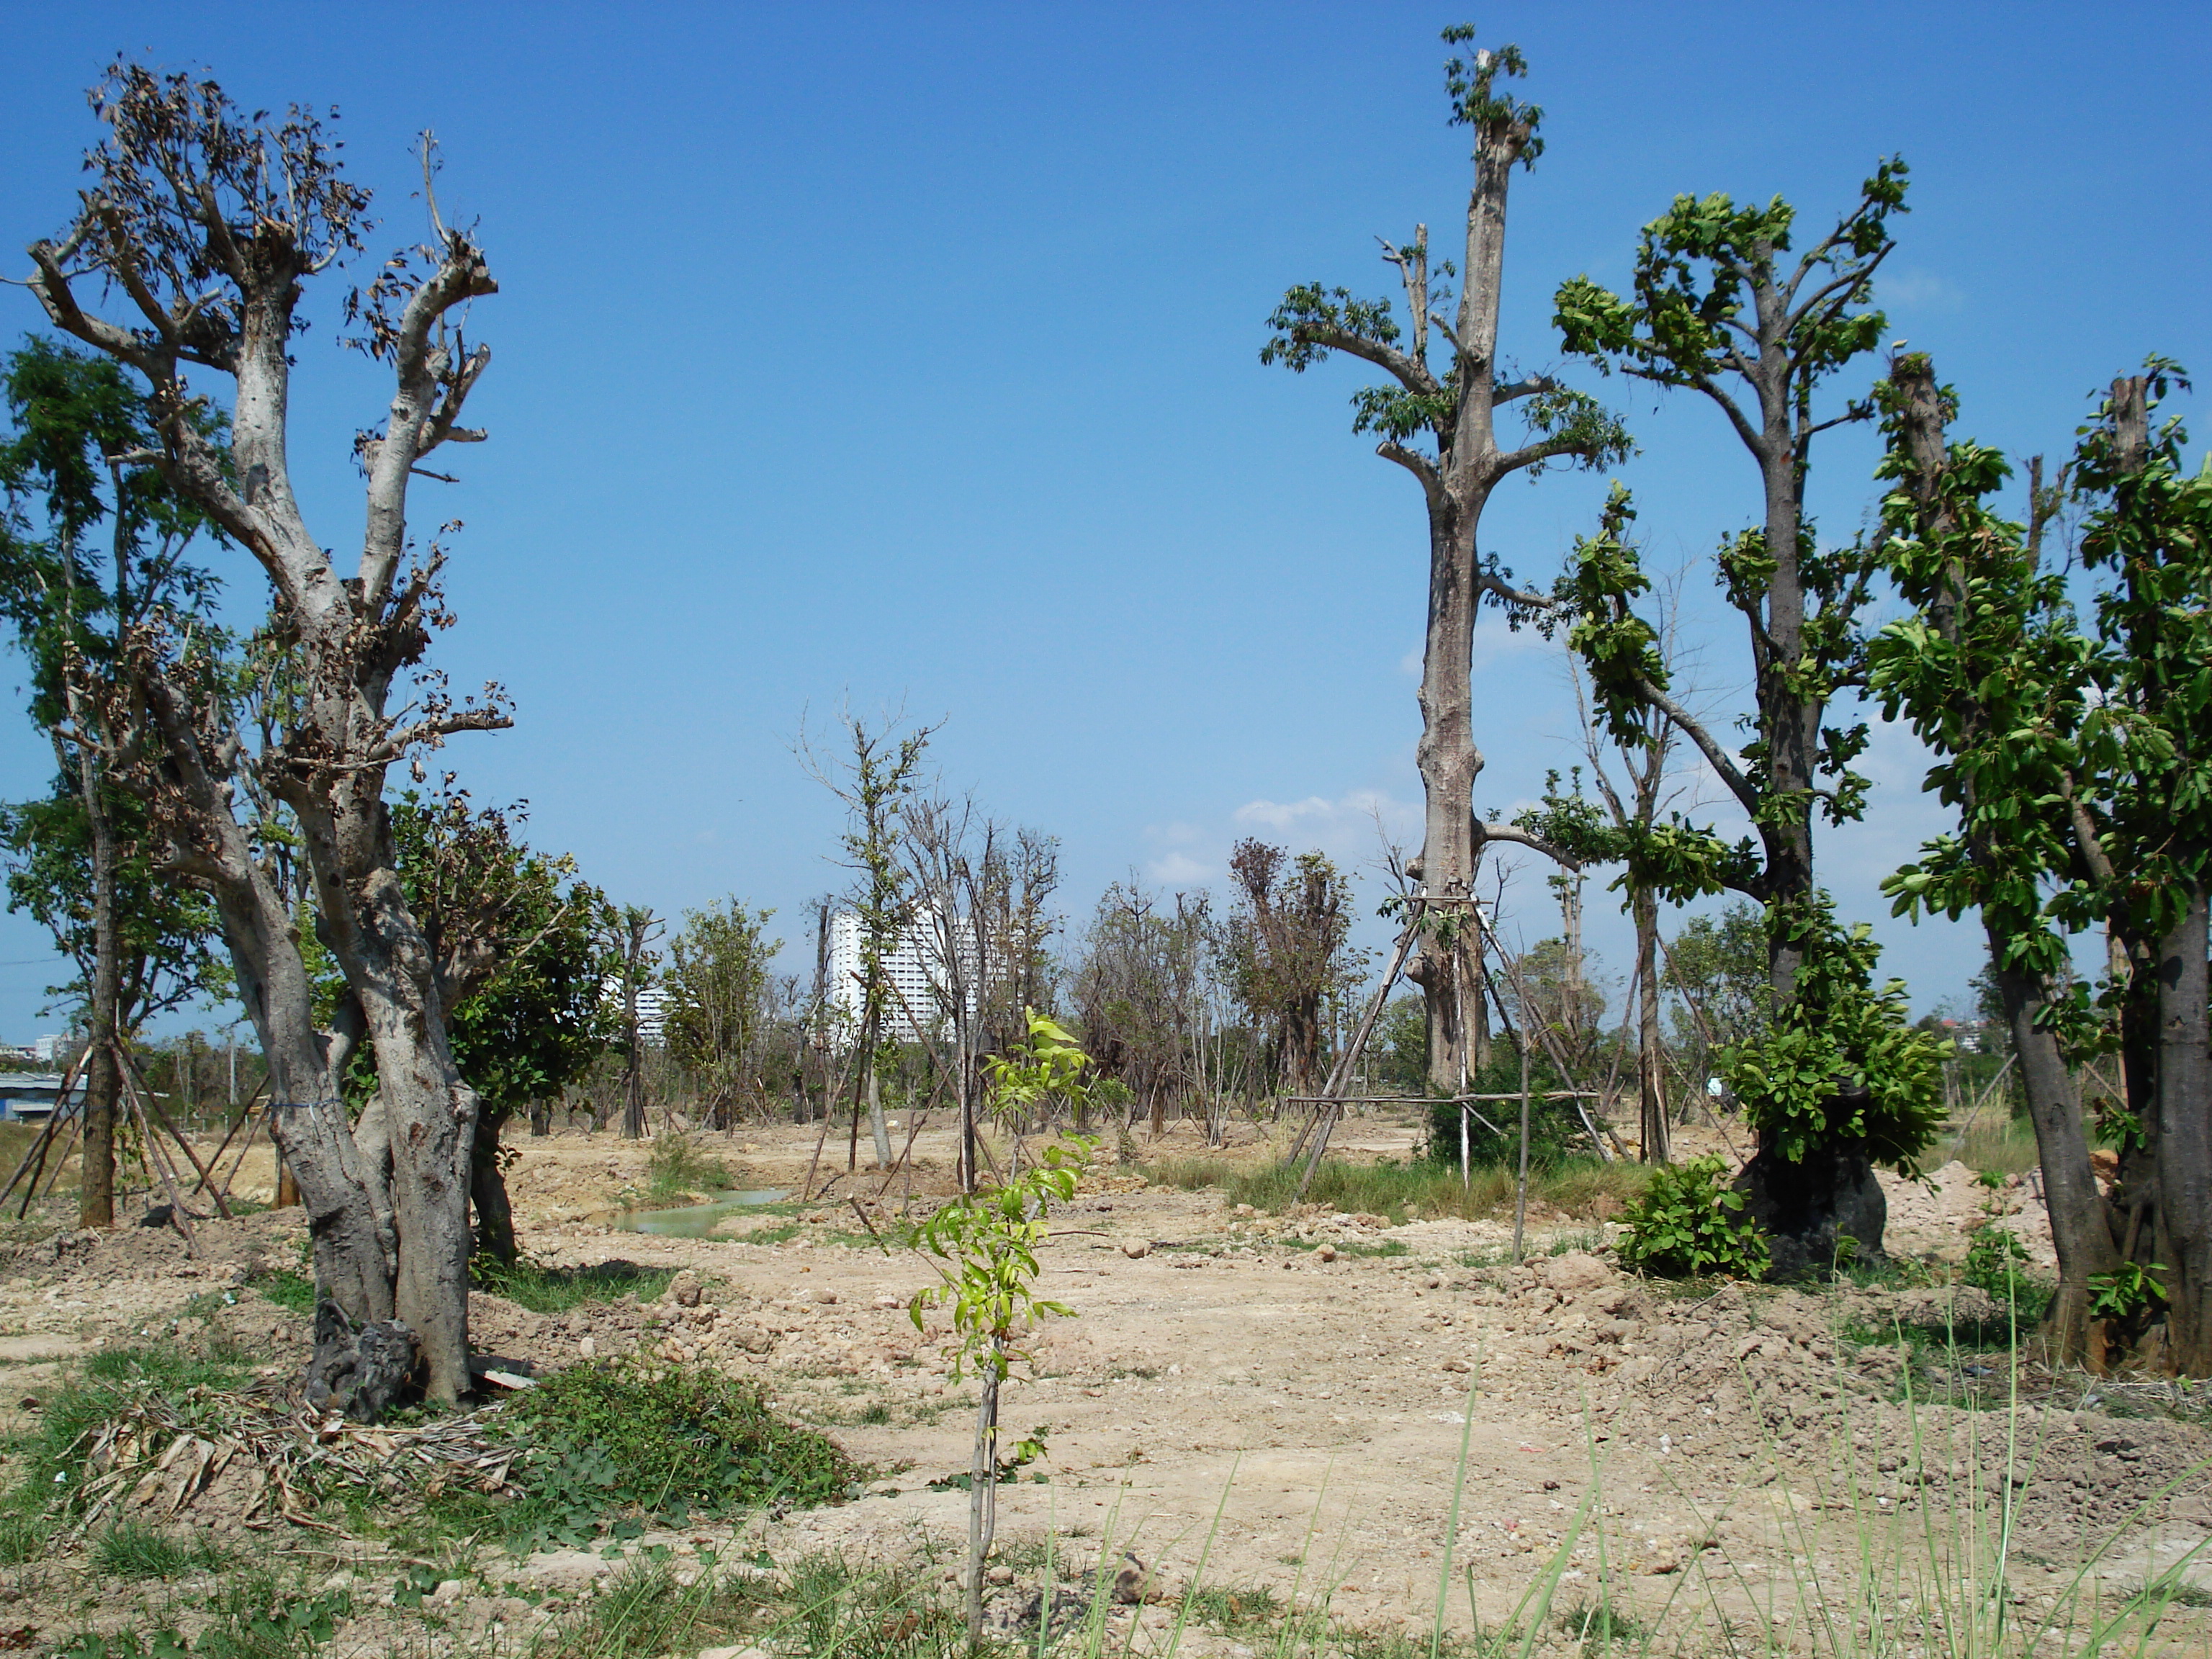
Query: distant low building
pixel 30 1097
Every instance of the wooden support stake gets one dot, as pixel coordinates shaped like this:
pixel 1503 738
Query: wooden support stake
pixel 180 1217
pixel 39 1147
pixel 36 1149
pixel 147 1095
pixel 1340 1074
pixel 76 1134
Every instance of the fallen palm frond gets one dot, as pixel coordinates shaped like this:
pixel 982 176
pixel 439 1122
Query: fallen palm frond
pixel 159 1453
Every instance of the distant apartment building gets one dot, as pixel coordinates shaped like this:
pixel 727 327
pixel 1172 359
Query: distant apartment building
pixel 915 1004
pixel 651 1009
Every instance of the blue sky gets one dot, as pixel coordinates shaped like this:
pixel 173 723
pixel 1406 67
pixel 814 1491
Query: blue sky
pixel 909 354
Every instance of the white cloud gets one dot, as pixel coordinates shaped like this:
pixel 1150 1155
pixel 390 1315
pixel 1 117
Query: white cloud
pixel 1494 643
pixel 1178 870
pixel 1336 826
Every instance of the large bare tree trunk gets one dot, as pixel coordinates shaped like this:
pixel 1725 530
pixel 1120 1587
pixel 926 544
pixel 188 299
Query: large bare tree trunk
pixel 2081 1231
pixel 2085 1233
pixel 2184 1138
pixel 103 1071
pixel 1459 408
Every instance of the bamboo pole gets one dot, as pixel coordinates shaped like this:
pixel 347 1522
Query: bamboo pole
pixel 246 1121
pixel 76 1135
pixel 34 1150
pixel 1324 1122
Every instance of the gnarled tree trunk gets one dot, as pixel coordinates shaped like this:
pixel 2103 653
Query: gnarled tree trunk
pixel 209 224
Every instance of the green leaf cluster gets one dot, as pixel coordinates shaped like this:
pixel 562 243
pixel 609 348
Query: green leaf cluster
pixel 526 940
pixel 1994 1257
pixel 1841 1066
pixel 2131 1289
pixel 1699 264
pixel 984 1244
pixel 2073 751
pixel 1689 1224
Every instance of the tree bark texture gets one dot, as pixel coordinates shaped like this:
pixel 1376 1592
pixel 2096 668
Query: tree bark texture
pixel 103 1072
pixel 495 1216
pixel 2184 1138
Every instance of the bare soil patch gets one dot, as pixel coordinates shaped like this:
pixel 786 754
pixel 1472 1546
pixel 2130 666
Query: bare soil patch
pixel 1293 1398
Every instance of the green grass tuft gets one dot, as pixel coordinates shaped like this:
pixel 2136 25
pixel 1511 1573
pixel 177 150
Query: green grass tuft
pixel 532 1284
pixel 679 1167
pixel 292 1291
pixel 132 1549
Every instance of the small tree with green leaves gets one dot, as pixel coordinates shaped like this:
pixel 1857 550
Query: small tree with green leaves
pixel 1723 306
pixel 983 1246
pixel 85 862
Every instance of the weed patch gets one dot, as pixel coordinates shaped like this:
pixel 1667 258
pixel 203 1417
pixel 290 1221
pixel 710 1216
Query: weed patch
pixel 254 1616
pixel 294 1293
pixel 679 1167
pixel 619 1447
pixel 132 1549
pixel 1582 1187
pixel 531 1284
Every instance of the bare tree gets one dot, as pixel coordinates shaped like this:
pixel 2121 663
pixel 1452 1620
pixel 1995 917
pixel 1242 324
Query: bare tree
pixel 1644 745
pixel 877 782
pixel 202 227
pixel 1282 946
pixel 982 889
pixel 1442 427
pixel 1140 985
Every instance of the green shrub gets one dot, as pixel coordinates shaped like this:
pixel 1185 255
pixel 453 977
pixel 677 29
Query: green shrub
pixel 2129 1290
pixel 628 1444
pixel 1689 1224
pixel 1555 1128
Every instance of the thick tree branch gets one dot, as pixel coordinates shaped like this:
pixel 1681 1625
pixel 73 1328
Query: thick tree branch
pixel 420 363
pixel 1409 371
pixel 1510 461
pixel 1528 388
pixel 1517 837
pixel 1415 463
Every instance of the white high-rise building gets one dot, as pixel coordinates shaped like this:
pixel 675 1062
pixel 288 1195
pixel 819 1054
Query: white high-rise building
pixel 912 966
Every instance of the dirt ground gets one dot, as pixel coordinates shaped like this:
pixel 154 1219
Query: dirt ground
pixel 1280 1401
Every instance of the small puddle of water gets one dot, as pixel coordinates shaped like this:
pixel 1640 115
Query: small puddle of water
pixel 695 1220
